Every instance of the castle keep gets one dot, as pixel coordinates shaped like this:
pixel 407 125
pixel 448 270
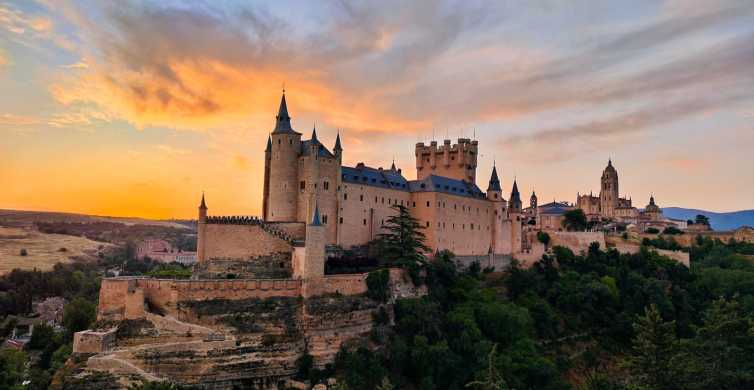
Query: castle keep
pixel 352 203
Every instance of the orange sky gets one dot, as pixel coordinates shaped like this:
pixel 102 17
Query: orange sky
pixel 134 110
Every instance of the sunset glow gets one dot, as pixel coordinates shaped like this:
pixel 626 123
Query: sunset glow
pixel 135 108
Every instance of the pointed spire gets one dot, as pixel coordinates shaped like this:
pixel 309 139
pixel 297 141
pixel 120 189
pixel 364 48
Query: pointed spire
pixel 314 133
pixel 203 205
pixel 283 120
pixel 269 144
pixel 315 218
pixel 494 180
pixel 337 143
pixel 514 190
pixel 392 166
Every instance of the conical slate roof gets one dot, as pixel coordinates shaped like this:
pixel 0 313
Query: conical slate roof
pixel 337 143
pixel 203 205
pixel 283 120
pixel 494 181
pixel 315 219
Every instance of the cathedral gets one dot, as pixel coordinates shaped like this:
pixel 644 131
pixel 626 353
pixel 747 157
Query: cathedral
pixel 304 179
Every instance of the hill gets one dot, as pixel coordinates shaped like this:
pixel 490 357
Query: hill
pixel 719 221
pixel 24 218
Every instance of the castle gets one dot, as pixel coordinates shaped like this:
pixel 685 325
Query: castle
pixel 304 181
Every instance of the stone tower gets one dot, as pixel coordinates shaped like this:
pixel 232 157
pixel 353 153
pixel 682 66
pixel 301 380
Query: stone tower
pixel 266 189
pixel 314 257
pixel 609 191
pixel 457 161
pixel 201 231
pixel 280 201
pixel 533 201
pixel 514 204
pixel 494 192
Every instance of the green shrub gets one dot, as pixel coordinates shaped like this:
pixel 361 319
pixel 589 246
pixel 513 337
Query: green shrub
pixel 378 285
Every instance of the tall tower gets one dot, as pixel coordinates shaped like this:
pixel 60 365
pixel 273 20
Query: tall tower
pixel 494 192
pixel 533 202
pixel 609 190
pixel 514 204
pixel 457 161
pixel 266 191
pixel 280 203
pixel 201 231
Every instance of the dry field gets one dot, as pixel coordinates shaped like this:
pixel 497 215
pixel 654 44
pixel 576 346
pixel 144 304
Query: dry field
pixel 44 250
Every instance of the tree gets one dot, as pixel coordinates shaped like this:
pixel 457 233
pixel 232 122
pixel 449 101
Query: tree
pixel 378 285
pixel 11 368
pixel 41 337
pixel 403 244
pixel 78 315
pixel 653 349
pixel 574 220
pixel 672 230
pixel 492 378
pixel 544 238
pixel 701 220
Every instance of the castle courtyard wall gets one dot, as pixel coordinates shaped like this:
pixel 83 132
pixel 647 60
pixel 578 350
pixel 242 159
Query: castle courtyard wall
pixel 241 242
pixel 363 211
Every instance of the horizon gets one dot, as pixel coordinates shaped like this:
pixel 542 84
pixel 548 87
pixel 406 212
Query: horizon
pixel 134 109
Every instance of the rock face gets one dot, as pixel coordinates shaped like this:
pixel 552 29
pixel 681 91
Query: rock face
pixel 238 341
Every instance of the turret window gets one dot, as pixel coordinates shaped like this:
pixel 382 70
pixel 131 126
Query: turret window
pixel 326 185
pixel 302 185
pixel 324 219
pixel 345 196
pixel 361 198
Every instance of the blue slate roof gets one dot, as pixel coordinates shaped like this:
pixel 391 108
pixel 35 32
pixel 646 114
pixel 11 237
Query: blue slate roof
pixel 322 151
pixel 554 208
pixel 365 175
pixel 447 185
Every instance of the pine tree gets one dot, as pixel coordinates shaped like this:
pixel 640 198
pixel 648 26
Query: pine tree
pixel 653 348
pixel 403 243
pixel 492 378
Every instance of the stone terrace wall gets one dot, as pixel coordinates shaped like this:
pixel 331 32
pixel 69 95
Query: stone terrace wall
pixel 349 284
pixel 225 241
pixel 577 241
pixel 90 341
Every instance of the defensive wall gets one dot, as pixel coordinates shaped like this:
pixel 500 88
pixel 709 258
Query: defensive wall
pixel 126 297
pixel 236 241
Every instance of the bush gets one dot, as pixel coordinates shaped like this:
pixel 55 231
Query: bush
pixel 377 285
pixel 672 230
pixel 544 238
pixel 23 252
pixel 652 230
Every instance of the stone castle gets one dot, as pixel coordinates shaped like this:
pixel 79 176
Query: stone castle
pixel 305 181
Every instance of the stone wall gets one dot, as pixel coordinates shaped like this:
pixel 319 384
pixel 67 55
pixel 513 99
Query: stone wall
pixel 241 242
pixel 497 262
pixel 90 341
pixel 295 230
pixel 275 266
pixel 576 241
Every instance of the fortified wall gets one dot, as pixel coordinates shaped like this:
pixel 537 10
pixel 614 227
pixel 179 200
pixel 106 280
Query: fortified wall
pixel 129 297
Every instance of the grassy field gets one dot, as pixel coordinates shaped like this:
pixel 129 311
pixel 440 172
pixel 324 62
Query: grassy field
pixel 43 250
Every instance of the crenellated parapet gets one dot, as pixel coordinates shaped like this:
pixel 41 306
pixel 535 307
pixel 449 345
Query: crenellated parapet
pixel 242 220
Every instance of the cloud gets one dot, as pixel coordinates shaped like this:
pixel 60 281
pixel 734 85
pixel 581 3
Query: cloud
pixel 3 59
pixel 171 150
pixel 17 120
pixel 562 143
pixel 77 65
pixel 17 22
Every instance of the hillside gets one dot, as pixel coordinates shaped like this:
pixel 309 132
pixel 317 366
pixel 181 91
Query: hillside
pixel 719 221
pixel 24 218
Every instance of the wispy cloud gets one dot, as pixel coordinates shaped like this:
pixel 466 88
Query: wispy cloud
pixel 17 22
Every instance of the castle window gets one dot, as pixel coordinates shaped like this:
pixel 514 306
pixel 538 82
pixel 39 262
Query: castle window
pixel 414 204
pixel 302 185
pixel 324 218
pixel 279 141
pixel 345 196
pixel 361 198
pixel 427 223
pixel 383 200
pixel 341 220
pixel 375 199
pixel 290 141
pixel 326 185
pixel 427 203
pixel 495 196
pixel 365 221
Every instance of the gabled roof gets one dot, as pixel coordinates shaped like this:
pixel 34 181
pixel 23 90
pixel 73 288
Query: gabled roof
pixel 321 151
pixel 554 208
pixel 433 183
pixel 364 175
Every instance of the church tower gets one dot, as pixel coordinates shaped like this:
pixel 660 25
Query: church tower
pixel 281 198
pixel 609 191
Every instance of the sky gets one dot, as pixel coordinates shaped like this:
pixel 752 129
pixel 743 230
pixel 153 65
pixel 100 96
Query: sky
pixel 133 108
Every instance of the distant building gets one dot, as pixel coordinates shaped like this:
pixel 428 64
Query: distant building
pixel 163 251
